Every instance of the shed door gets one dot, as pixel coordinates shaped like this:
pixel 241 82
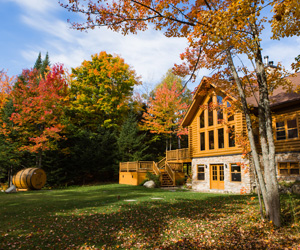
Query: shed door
pixel 217 176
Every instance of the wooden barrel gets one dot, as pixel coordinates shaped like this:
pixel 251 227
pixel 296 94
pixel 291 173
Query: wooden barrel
pixel 30 178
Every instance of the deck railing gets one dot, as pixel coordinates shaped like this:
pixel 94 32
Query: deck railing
pixel 156 169
pixel 161 163
pixel 178 154
pixel 177 167
pixel 170 172
pixel 136 166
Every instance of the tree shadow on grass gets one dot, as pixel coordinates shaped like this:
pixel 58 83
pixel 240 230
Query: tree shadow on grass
pixel 215 222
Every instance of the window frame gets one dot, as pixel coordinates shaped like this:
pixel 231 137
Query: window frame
pixel 288 167
pixel 201 165
pixel 285 128
pixel 235 164
pixel 211 132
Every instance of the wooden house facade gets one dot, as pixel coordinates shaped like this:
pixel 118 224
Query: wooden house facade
pixel 217 159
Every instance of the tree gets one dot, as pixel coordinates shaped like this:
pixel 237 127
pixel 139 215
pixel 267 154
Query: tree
pixel 101 90
pixel 8 154
pixel 42 65
pixel 218 32
pixel 165 111
pixel 170 78
pixel 38 110
pixel 131 142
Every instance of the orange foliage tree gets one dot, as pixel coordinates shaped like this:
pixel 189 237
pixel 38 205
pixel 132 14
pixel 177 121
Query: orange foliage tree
pixel 218 32
pixel 165 112
pixel 38 103
pixel 100 91
pixel 6 83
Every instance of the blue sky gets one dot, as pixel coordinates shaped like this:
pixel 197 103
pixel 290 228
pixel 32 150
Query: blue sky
pixel 28 27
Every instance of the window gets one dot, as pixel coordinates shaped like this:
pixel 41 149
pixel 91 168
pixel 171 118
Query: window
pixel 286 129
pixel 235 172
pixel 210 113
pixel 220 110
pixel 221 137
pixel 211 139
pixel 231 139
pixel 202 141
pixel 288 168
pixel 201 172
pixel 230 117
pixel 292 129
pixel 202 124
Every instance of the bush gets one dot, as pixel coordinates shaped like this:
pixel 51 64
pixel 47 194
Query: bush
pixel 152 177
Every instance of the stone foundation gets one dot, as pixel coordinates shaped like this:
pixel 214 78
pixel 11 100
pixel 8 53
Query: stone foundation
pixel 229 186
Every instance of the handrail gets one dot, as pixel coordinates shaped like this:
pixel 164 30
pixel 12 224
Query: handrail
pixel 170 172
pixel 161 163
pixel 156 169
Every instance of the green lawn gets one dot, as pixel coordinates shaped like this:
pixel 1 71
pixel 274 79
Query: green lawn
pixel 128 217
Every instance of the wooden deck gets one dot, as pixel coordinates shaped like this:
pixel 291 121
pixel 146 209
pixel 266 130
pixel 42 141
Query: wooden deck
pixel 170 169
pixel 179 155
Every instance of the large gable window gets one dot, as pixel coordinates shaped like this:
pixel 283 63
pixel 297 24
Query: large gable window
pixel 210 113
pixel 202 121
pixel 286 129
pixel 215 127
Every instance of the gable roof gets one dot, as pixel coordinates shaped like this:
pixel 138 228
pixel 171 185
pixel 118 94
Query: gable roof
pixel 198 99
pixel 279 97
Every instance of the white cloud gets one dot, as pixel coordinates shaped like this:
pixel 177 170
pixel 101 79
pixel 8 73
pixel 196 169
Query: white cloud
pixel 37 6
pixel 150 53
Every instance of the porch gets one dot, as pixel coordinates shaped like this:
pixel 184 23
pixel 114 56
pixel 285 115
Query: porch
pixel 179 155
pixel 170 169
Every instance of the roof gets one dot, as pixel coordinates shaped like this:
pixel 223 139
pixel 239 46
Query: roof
pixel 280 96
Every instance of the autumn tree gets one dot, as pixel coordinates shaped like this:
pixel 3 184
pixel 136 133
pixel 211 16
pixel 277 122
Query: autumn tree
pixel 101 90
pixel 218 33
pixel 38 102
pixel 8 148
pixel 170 78
pixel 166 110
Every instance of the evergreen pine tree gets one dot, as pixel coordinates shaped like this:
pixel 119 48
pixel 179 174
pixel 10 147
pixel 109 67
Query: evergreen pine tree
pixel 38 62
pixel 131 143
pixel 45 65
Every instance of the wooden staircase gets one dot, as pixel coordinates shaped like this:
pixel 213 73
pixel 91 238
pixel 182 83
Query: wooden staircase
pixel 165 177
pixel 166 181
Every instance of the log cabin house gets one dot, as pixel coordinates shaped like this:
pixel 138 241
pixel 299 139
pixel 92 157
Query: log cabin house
pixel 217 160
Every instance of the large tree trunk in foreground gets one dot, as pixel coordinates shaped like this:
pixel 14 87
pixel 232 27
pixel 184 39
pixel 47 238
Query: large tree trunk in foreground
pixel 268 181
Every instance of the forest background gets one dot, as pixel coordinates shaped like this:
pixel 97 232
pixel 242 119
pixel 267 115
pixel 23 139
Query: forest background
pixel 79 125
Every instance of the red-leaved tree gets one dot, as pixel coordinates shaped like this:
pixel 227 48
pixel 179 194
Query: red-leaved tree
pixel 166 110
pixel 38 103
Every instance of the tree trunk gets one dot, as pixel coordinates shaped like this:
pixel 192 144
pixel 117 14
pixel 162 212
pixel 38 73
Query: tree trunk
pixel 246 112
pixel 179 143
pixel 266 136
pixel 39 159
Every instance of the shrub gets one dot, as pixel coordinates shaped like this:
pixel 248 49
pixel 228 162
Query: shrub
pixel 153 177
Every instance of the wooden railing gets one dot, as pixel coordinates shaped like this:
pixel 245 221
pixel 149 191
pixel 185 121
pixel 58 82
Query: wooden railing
pixel 161 163
pixel 156 169
pixel 178 154
pixel 170 172
pixel 136 166
pixel 177 167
